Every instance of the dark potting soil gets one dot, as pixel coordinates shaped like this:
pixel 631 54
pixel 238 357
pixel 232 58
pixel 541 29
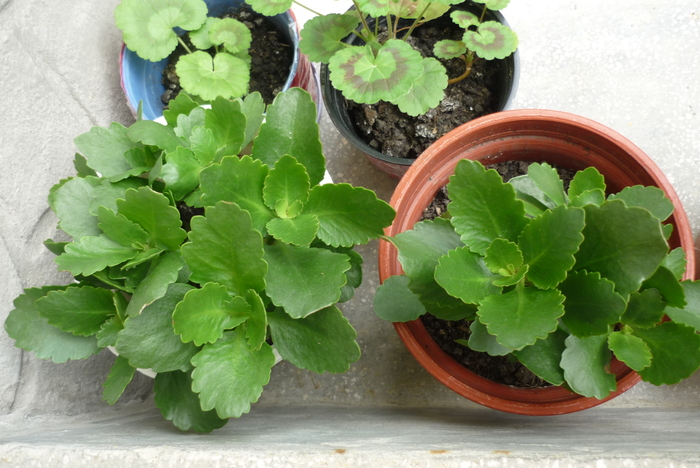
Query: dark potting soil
pixel 384 127
pixel 271 58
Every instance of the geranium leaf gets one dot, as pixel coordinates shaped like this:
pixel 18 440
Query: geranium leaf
pixel 119 377
pixel 690 314
pixel 464 19
pixel 586 180
pixel 676 262
pixel 464 274
pixel 394 302
pixel 413 8
pixel 209 77
pixel 449 49
pixel 592 306
pixel 200 37
pixel 652 199
pixel 104 149
pixel 270 7
pixel 304 280
pixel 153 212
pixel 348 215
pixel 181 172
pixel 227 122
pixel 494 4
pixel 483 207
pixel 426 91
pixel 152 133
pixel 182 104
pixel 229 376
pixel 664 281
pixel 481 340
pixel 148 24
pixel 297 231
pixel 78 310
pixel 286 183
pixel 543 357
pixel 644 309
pixel 224 249
pixel 323 35
pixel 585 361
pixel 367 76
pixel 256 326
pixel 290 128
pixel 503 256
pixel 121 229
pixel 375 8
pixel 520 317
pixel 675 350
pixel 232 34
pixel 547 179
pixel 624 244
pixel 71 202
pixel 92 254
pixel 203 315
pixel 321 342
pixel 630 349
pixel 491 40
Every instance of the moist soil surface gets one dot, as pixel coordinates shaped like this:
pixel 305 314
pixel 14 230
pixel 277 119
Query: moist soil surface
pixel 271 58
pixel 388 130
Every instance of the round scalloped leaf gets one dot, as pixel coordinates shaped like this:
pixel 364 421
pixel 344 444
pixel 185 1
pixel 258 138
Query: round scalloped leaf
pixel 375 8
pixel 675 350
pixel 234 35
pixel 270 7
pixel 481 340
pixel 585 180
pixel 649 198
pixel 394 302
pixel 491 41
pixel 300 230
pixel 547 179
pixel 148 24
pixel 152 211
pixel 427 90
pixel 410 9
pixel 448 49
pixel 630 349
pixel 464 19
pixel 323 35
pixel 366 78
pixel 286 183
pixel 78 310
pixel 585 361
pixel 464 274
pixel 494 4
pixel 223 75
pixel 664 281
pixel 690 315
pixel 503 255
pixel 200 37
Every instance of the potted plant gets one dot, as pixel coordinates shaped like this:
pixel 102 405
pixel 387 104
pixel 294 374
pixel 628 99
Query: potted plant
pixel 194 262
pixel 559 280
pixel 409 71
pixel 212 58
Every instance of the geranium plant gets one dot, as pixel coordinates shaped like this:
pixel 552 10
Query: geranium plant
pixel 194 262
pixel 559 280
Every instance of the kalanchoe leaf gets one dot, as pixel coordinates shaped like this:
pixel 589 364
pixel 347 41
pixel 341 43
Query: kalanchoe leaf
pixel 322 35
pixel 675 350
pixel 394 302
pixel 270 7
pixel 543 357
pixel 56 248
pixel 200 37
pixel 153 212
pixel 585 361
pixel 78 310
pixel 503 256
pixel 300 230
pixel 322 342
pixel 256 326
pixel 232 34
pixel 71 202
pixel 367 78
pixel 186 123
pixel 464 19
pixel 464 274
pixel 92 254
pixel 209 77
pixel 547 179
pixel 481 340
pixel 448 49
pixel 585 180
pixel 253 107
pixel 491 40
pixel 287 182
pixel 229 376
pixel 676 262
pixel 181 173
pixel 182 104
pixel 108 192
pixel 179 404
pixel 81 166
pixel 204 145
pixel 690 314
pixel 630 349
pixel 649 198
pixel 670 288
pixel 483 207
pixel 512 280
pixel 148 24
pixel 589 197
pixel 411 9
pixel 152 133
pixel 107 336
pixel 156 282
pixel 143 257
pixel 534 199
pixel 426 91
pixel 453 311
pixel 119 377
pixel 120 229
pixel 104 149
pixel 592 306
pixel 354 276
pixel 304 280
pixel 644 309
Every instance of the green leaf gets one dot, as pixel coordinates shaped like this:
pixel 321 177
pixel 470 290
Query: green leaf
pixel 451 312
pixel 585 361
pixel 200 37
pixel 630 349
pixel 464 274
pixel 156 283
pixel 181 105
pixel 547 179
pixel 644 309
pixel 56 248
pixel 224 249
pixel 589 197
pixel 494 5
pixel 179 404
pixel 71 203
pixel 664 281
pixel 503 257
pixel 81 167
pixel 107 193
pixel 240 181
pixel 512 280
pixel 464 19
pixel 181 173
pixel 32 332
pixel 232 34
pixel 586 180
pixel 394 302
pixel 652 199
pixel 107 336
pixel 148 340
pixel 483 207
pixel 492 40
pixel 204 145
pixel 148 24
pixel 425 10
pixel 297 231
pixel 287 183
pixel 227 122
pixel 322 342
pixel 481 340
pixel 375 8
pixel 253 108
pixel 354 276
pixel 204 314
pixel 427 91
pixel 120 229
pixel 304 280
pixel 143 257
pixel 104 149
pixel 209 77
pixel 119 377
pixel 535 200
pixel 153 212
pixel 229 376
pixel 186 123
pixel 78 310
pixel 624 244
pixel 153 133
pixel 256 326
pixel 290 128
pixel 323 35
pixel 449 49
pixel 675 350
pixel 520 317
pixel 676 262
pixel 543 357
pixel 690 314
pixel 270 7
pixel 348 215
pixel 92 254
pixel 592 306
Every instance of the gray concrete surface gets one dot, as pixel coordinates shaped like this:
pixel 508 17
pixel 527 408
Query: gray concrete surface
pixel 630 64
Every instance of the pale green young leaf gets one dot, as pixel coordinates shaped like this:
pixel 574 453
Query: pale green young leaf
pixel 547 179
pixel 426 9
pixel 200 37
pixel 120 229
pixel 520 317
pixel 512 280
pixel 152 133
pixel 71 203
pixel 675 350
pixel 228 124
pixel 394 302
pixel 92 254
pixel 676 262
pixel 78 310
pixel 543 357
pixel 181 172
pixel 375 8
pixel 503 257
pixel 449 49
pixel 297 231
pixel 492 40
pixel 481 340
pixel 304 280
pixel 690 314
pixel 225 249
pixel 147 25
pixel 630 349
pixel 322 35
pixel 586 180
pixel 203 315
pixel 348 215
pixel 104 149
pixel 483 207
pixel 186 123
pixel 286 183
pixel 204 145
pixel 232 34
pixel 592 306
pixel 465 275
pixel 321 342
pixel 585 361
pixel 494 5
pixel 155 284
pixel 209 77
pixel 253 107
pixel 426 91
pixel 148 340
pixel 652 199
pixel 153 212
pixel 464 19
pixel 270 7
pixel 229 376
pixel 119 377
pixel 664 281
pixel 644 309
pixel 107 336
pixel 182 104
pixel 256 325
pixel 290 128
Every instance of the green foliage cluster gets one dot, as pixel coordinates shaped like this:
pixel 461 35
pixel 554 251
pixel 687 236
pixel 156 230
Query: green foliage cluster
pixel 559 280
pixel 267 254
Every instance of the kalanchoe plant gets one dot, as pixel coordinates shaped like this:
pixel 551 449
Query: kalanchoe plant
pixel 560 280
pixel 190 259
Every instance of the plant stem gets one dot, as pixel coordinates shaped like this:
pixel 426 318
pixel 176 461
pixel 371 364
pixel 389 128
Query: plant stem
pixel 483 14
pixel 415 23
pixel 468 61
pixel 390 27
pixel 362 17
pixel 182 43
pixel 307 8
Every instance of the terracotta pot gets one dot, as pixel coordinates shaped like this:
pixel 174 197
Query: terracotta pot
pixel 532 135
